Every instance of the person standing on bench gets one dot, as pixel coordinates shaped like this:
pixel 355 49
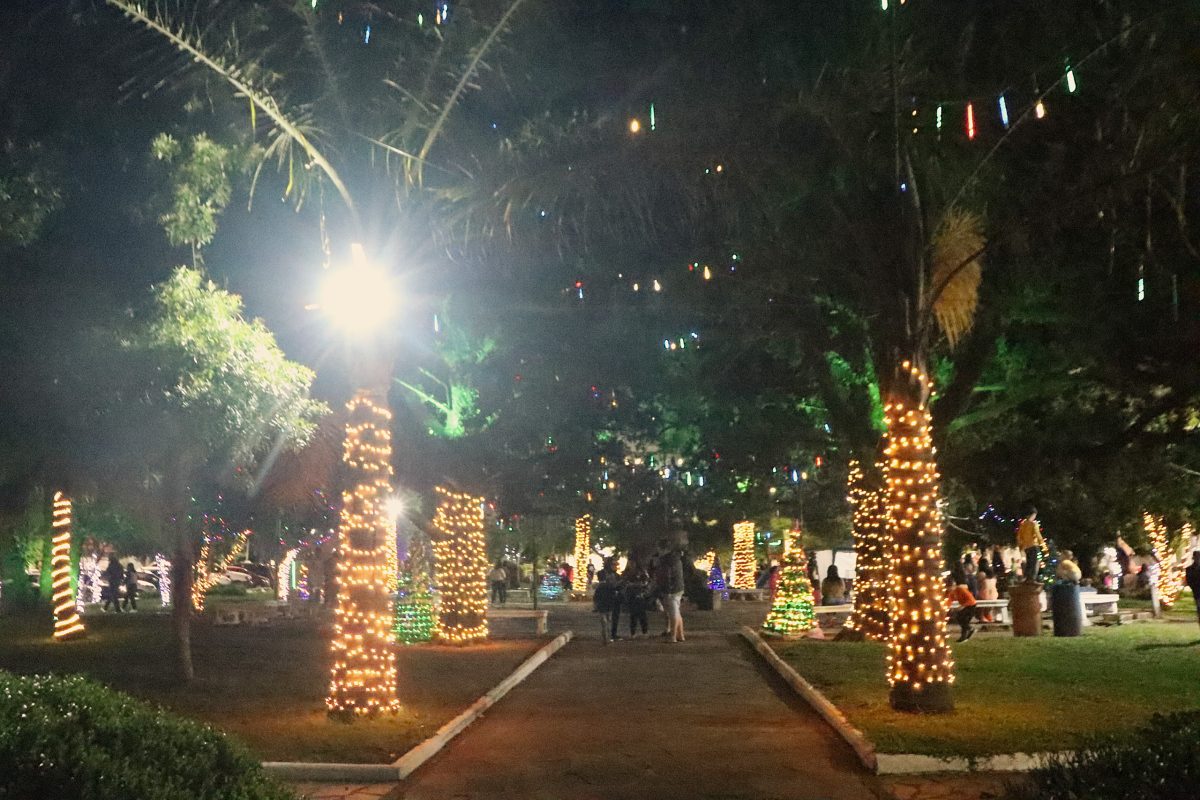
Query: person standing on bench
pixel 1192 575
pixel 1029 540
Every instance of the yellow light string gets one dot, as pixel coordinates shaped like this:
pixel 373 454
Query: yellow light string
pixel 283 575
pixel 741 571
pixel 583 551
pixel 705 562
pixel 66 617
pixel 393 563
pixel 1170 580
pixel 202 574
pixel 460 568
pixel 920 664
pixel 872 555
pixel 363 677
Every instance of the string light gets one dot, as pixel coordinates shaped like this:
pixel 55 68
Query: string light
pixel 363 677
pixel 635 125
pixel 583 548
pixel 970 121
pixel 919 663
pixel 872 553
pixel 164 579
pixel 283 575
pixel 1039 110
pixel 792 611
pixel 1072 86
pixel 1003 111
pixel 66 617
pixel 706 561
pixel 1169 581
pixel 653 120
pixel 202 579
pixel 460 568
pixel 938 118
pixel 741 569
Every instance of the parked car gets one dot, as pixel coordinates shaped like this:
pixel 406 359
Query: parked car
pixel 238 574
pixel 261 573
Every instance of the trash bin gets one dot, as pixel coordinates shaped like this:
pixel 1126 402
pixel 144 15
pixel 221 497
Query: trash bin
pixel 1065 609
pixel 1025 606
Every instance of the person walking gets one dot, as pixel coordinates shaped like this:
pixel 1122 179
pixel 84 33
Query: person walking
pixel 131 587
pixel 1192 576
pixel 1030 541
pixel 114 579
pixel 669 581
pixel 636 598
pixel 499 578
pixel 966 602
pixel 606 600
pixel 833 588
pixel 988 588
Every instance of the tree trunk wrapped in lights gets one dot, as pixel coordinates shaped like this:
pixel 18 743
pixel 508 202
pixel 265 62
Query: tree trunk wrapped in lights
pixel 920 664
pixel 792 612
pixel 741 568
pixel 460 568
pixel 363 679
pixel 66 617
pixel 872 559
pixel 583 551
pixel 1169 581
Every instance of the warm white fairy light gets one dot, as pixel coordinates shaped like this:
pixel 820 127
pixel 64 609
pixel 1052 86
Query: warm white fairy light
pixel 1169 582
pixel 705 562
pixel 872 556
pixel 460 568
pixel 202 574
pixel 164 579
pixel 583 550
pixel 66 618
pixel 363 676
pixel 741 570
pixel 920 665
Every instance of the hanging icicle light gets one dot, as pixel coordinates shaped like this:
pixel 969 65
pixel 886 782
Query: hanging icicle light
pixel 1003 111
pixel 970 121
pixel 938 118
pixel 1072 86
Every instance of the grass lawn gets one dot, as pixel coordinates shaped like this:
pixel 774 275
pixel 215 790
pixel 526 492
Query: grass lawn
pixel 1017 695
pixel 265 685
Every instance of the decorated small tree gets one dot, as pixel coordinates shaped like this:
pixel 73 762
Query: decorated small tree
pixel 792 611
pixel 716 578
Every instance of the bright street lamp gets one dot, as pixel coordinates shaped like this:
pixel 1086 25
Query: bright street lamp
pixel 358 298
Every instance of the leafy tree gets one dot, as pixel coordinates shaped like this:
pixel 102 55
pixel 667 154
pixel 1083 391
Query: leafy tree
pixel 218 394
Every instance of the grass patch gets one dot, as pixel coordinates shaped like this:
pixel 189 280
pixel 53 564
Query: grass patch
pixel 1017 694
pixel 265 685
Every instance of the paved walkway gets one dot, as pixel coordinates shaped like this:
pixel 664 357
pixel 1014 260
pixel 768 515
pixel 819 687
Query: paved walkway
pixel 647 719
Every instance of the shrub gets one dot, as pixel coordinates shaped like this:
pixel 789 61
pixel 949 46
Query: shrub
pixel 68 737
pixel 227 590
pixel 1158 762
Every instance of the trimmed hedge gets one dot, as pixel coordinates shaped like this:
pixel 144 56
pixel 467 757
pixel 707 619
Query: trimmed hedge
pixel 68 737
pixel 1158 762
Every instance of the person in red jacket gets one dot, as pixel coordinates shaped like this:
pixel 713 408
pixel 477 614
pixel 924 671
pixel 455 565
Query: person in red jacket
pixel 966 601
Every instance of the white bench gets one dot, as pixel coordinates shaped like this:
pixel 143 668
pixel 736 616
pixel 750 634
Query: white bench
pixel 1096 603
pixel 830 611
pixel 1000 606
pixel 539 617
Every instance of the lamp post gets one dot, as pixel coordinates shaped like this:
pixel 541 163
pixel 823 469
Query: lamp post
pixel 360 299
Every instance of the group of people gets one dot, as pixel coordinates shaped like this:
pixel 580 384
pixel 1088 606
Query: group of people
pixel 120 589
pixel 639 588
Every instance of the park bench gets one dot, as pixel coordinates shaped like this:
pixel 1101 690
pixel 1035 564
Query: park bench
pixel 833 611
pixel 747 594
pixel 1100 603
pixel 519 596
pixel 539 617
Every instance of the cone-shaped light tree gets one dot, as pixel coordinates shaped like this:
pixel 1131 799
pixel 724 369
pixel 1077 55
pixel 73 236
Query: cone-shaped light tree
pixel 792 612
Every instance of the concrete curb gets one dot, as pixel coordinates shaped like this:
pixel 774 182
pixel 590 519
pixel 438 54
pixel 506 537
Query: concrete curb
pixel 890 763
pixel 414 758
pixel 861 745
pixel 912 764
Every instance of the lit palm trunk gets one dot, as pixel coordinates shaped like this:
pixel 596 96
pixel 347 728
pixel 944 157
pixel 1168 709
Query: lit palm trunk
pixel 460 568
pixel 363 679
pixel 920 664
pixel 872 558
pixel 583 551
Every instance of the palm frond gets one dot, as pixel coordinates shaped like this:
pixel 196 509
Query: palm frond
pixel 191 44
pixel 957 270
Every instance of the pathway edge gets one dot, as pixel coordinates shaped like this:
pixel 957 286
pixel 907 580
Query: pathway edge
pixel 418 755
pixel 859 743
pixel 890 763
